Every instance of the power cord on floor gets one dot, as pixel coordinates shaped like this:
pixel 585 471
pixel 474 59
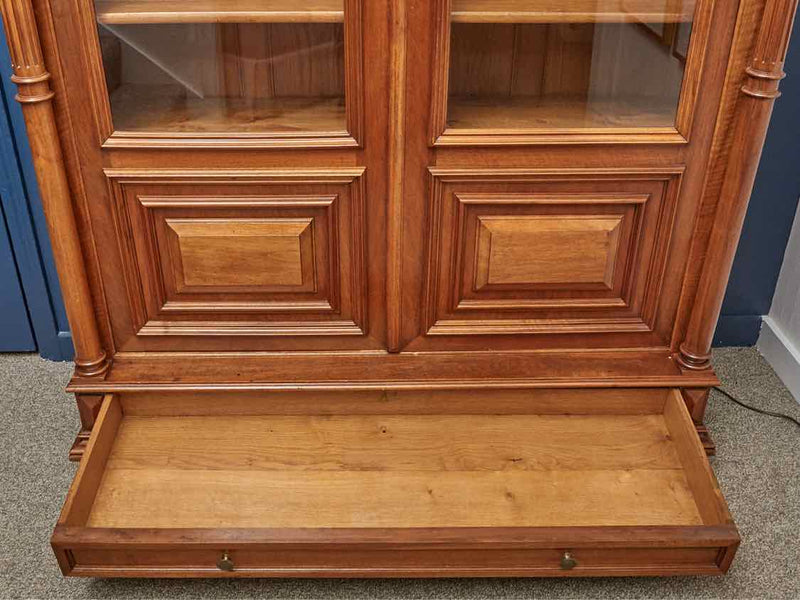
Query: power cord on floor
pixel 758 410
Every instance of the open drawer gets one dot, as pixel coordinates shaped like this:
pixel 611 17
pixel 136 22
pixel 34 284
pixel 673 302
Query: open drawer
pixel 395 484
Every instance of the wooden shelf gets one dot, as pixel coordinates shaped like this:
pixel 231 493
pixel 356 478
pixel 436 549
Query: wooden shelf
pixel 126 12
pixel 571 11
pixel 157 109
pixel 557 112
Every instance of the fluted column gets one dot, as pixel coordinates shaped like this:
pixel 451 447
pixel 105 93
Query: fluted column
pixel 753 111
pixel 36 97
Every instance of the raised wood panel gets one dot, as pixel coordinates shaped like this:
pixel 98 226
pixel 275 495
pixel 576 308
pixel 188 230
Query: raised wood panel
pixel 537 253
pixel 278 255
pixel 547 249
pixel 244 253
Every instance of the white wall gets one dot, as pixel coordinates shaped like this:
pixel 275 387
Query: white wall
pixel 780 337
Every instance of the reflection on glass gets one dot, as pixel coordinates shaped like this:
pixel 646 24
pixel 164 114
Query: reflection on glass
pixel 195 71
pixel 547 64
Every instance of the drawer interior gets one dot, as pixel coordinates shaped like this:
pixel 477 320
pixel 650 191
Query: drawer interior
pixel 372 461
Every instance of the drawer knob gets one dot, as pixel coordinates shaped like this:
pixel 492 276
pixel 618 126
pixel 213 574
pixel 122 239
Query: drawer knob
pixel 225 563
pixel 568 562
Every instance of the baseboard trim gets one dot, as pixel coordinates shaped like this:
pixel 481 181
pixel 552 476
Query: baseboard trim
pixel 781 354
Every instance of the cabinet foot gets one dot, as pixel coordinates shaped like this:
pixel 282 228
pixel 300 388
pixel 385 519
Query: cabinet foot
pixel 706 440
pixel 79 445
pixel 88 407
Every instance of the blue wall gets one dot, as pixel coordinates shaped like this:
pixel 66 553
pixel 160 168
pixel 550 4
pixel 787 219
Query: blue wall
pixel 16 334
pixel 769 218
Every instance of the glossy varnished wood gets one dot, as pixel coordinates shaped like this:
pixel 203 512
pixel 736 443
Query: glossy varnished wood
pixel 125 12
pixel 563 114
pixel 759 90
pixel 392 291
pixel 145 110
pixel 571 11
pixel 379 370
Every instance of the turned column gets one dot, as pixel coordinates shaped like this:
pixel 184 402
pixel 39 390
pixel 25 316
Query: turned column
pixel 36 97
pixel 753 111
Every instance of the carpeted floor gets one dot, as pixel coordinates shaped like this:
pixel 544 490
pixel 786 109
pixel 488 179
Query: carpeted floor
pixel 758 466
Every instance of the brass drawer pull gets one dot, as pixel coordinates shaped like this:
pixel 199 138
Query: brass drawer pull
pixel 568 562
pixel 225 563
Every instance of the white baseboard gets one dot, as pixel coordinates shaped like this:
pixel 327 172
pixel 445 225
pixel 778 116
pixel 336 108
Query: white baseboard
pixel 781 354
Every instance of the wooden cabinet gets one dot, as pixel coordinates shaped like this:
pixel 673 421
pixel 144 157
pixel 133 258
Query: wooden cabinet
pixel 389 288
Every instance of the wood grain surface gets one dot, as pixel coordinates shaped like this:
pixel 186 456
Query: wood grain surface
pixel 119 12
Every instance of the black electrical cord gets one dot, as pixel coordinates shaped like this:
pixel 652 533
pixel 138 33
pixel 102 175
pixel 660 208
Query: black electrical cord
pixel 758 410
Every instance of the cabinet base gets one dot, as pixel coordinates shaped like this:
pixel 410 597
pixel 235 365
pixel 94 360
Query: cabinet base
pixel 705 438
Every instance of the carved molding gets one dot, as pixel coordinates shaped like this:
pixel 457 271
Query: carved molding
pixel 331 297
pixel 621 296
pixel 765 71
pixel 693 362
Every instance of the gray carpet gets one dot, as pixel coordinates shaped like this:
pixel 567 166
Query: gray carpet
pixel 758 466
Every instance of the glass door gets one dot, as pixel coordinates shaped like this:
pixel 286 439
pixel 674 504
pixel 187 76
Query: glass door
pixel 232 67
pixel 566 65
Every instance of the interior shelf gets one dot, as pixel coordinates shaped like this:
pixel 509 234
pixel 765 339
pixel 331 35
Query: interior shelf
pixel 558 112
pixel 168 109
pixel 571 11
pixel 123 12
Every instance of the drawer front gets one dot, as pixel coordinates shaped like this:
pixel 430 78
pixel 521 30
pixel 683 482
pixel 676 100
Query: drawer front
pixel 538 254
pixel 267 256
pixel 343 561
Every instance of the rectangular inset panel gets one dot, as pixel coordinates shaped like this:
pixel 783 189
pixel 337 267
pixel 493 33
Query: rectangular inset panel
pixel 252 254
pixel 530 253
pixel 239 252
pixel 546 249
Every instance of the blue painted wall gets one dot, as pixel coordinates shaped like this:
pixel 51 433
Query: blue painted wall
pixel 769 218
pixel 26 227
pixel 15 327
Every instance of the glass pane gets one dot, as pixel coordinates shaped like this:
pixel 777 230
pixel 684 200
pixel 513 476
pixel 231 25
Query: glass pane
pixel 565 64
pixel 224 66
